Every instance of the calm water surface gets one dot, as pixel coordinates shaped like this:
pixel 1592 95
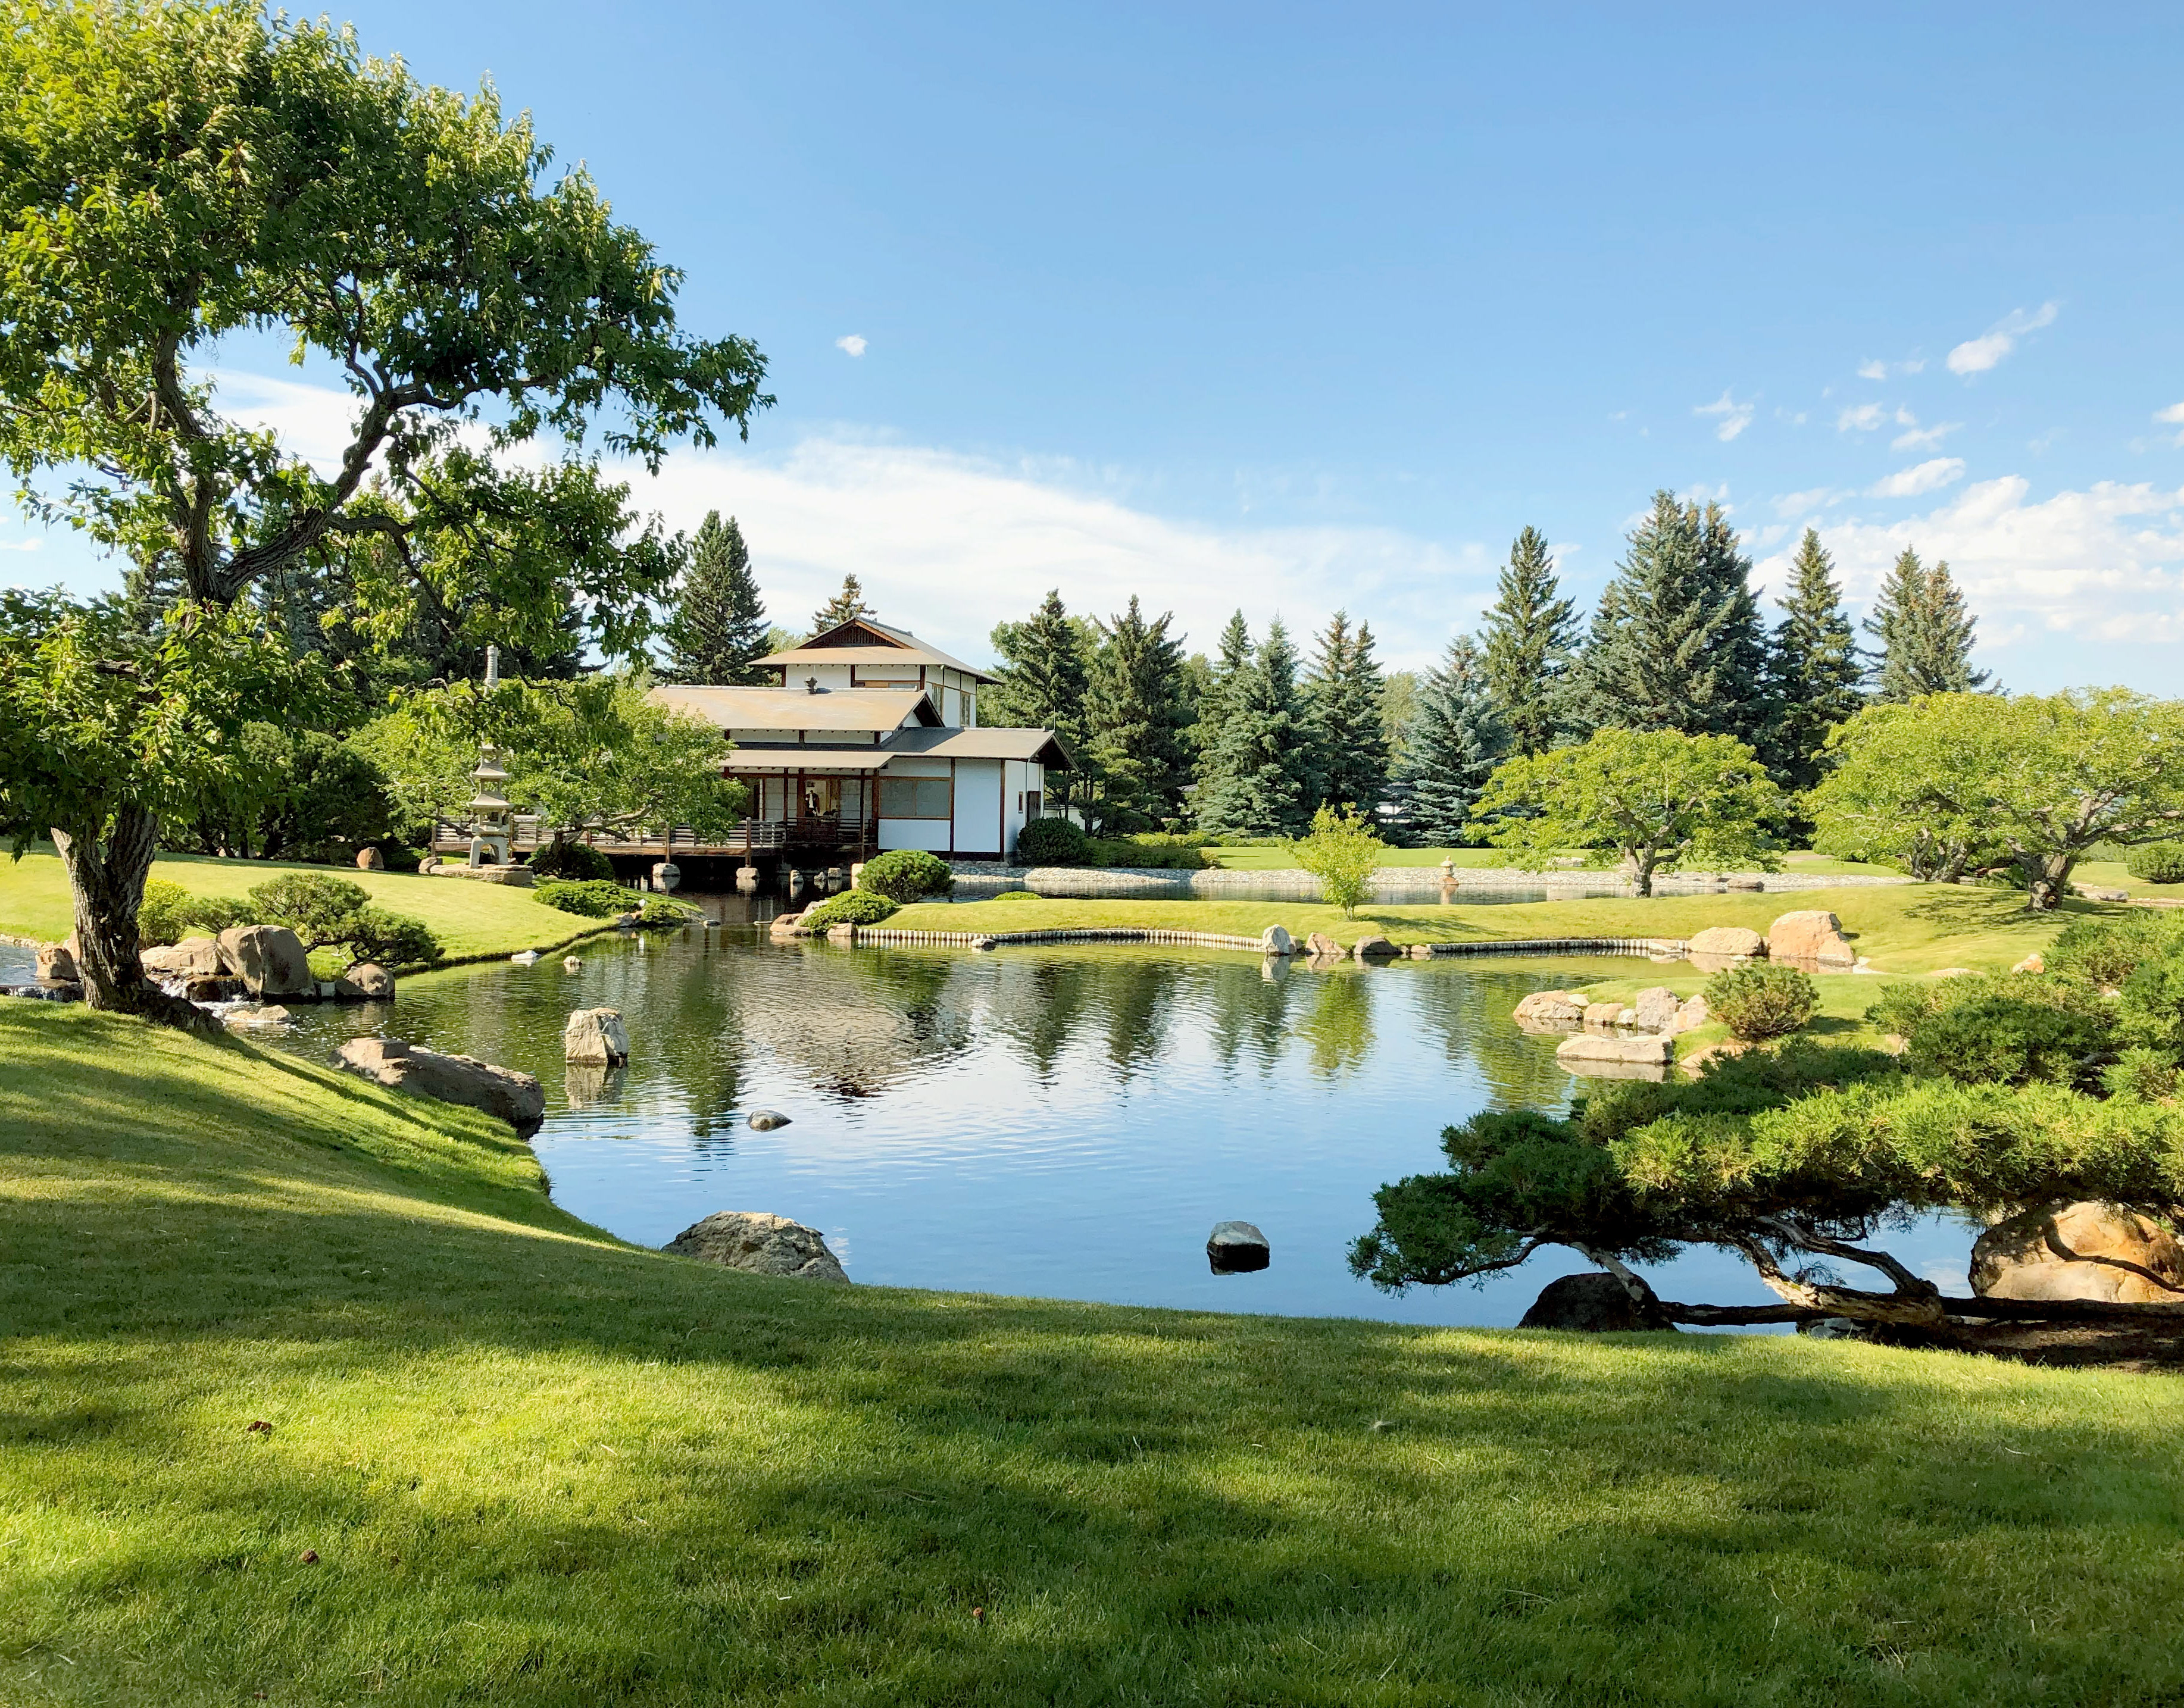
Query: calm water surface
pixel 1060 1121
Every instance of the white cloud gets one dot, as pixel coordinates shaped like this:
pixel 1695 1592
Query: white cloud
pixel 1879 370
pixel 1919 479
pixel 1805 503
pixel 2102 565
pixel 951 544
pixel 1863 418
pixel 1735 417
pixel 21 545
pixel 1873 370
pixel 855 344
pixel 1976 355
pixel 1915 437
pixel 2173 415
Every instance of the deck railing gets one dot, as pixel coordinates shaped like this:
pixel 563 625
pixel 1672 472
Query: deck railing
pixel 752 835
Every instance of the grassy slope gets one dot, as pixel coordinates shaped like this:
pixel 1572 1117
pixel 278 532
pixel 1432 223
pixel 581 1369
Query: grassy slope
pixel 1906 928
pixel 540 1467
pixel 470 919
pixel 1281 860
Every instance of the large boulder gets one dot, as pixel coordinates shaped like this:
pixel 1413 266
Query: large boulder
pixel 596 1036
pixel 1237 1248
pixel 1375 949
pixel 1593 1302
pixel 55 965
pixel 1692 1014
pixel 1630 1052
pixel 1551 1011
pixel 269 959
pixel 759 1243
pixel 1322 947
pixel 516 1098
pixel 367 982
pixel 1276 940
pixel 2019 1258
pixel 1655 1009
pixel 371 860
pixel 1811 935
pixel 1604 1016
pixel 194 957
pixel 1732 942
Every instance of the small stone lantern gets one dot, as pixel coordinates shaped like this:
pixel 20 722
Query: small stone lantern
pixel 489 808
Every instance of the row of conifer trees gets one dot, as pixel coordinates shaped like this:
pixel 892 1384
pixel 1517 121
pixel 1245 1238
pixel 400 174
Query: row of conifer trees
pixel 1250 741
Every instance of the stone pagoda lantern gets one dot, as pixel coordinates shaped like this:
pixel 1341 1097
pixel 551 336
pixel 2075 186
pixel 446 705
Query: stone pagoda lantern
pixel 490 828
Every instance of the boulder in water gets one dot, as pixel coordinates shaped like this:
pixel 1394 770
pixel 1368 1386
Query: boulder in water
pixel 1237 1248
pixel 765 1120
pixel 269 959
pixel 596 1036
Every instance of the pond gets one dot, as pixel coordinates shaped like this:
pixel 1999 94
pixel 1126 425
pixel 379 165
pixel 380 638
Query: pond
pixel 1067 1121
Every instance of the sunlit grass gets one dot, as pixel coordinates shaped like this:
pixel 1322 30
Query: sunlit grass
pixel 1281 860
pixel 539 1466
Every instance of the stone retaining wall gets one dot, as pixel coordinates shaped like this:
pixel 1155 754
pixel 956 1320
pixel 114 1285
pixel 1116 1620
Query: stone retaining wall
pixel 1209 939
pixel 1288 884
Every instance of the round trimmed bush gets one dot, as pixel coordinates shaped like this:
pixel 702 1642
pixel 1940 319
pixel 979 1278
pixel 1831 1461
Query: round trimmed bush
pixel 851 907
pixel 1762 1000
pixel 2156 863
pixel 1017 895
pixel 907 875
pixel 574 862
pixel 589 898
pixel 1053 842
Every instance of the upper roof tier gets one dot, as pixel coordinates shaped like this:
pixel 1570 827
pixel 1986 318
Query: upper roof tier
pixel 862 641
pixel 877 710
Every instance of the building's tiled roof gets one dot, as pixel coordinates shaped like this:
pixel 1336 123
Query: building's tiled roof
pixel 1042 745
pixel 878 710
pixel 893 646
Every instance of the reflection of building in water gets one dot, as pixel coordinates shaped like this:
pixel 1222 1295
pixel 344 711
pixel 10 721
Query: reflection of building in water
pixel 853 1023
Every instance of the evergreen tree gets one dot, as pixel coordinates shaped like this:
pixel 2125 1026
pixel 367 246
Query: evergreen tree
pixel 1042 686
pixel 1349 747
pixel 1925 633
pixel 1224 681
pixel 1260 777
pixel 1456 740
pixel 1675 643
pixel 1136 710
pixel 846 607
pixel 718 631
pixel 1530 635
pixel 1813 667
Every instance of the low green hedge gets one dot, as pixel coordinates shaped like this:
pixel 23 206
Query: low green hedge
pixel 907 875
pixel 851 907
pixel 590 897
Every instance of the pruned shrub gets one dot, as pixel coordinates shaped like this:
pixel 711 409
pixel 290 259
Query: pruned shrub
pixel 665 909
pixel 333 913
pixel 590 897
pixel 2156 862
pixel 573 862
pixel 1017 895
pixel 2004 1031
pixel 169 913
pixel 2103 951
pixel 851 907
pixel 1053 842
pixel 907 875
pixel 1762 1000
pixel 1151 851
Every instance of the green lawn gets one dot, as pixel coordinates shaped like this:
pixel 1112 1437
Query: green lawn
pixel 470 919
pixel 539 1467
pixel 2111 874
pixel 1281 860
pixel 1903 928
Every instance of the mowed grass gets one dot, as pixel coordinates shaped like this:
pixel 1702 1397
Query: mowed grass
pixel 1902 928
pixel 536 1466
pixel 1472 859
pixel 470 919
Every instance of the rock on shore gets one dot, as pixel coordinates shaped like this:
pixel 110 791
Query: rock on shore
pixel 516 1098
pixel 758 1244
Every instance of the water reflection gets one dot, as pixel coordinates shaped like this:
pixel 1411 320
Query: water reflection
pixel 1061 1120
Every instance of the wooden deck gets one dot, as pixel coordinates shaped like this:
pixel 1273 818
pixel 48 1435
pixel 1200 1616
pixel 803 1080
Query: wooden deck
pixel 777 838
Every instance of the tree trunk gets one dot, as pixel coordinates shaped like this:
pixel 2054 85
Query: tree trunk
pixel 106 881
pixel 2049 881
pixel 1644 862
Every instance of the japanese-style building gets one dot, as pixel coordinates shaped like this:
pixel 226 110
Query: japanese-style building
pixel 869 739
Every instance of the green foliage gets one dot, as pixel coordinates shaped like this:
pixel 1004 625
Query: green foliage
pixel 1925 632
pixel 1017 895
pixel 1895 788
pixel 2104 949
pixel 1257 780
pixel 1342 697
pixel 1053 842
pixel 1813 668
pixel 1153 850
pixel 2151 1075
pixel 851 907
pixel 846 607
pixel 2161 862
pixel 169 913
pixel 1659 800
pixel 1043 683
pixel 1762 1000
pixel 907 875
pixel 572 861
pixel 590 897
pixel 2011 1030
pixel 334 913
pixel 1530 634
pixel 1137 707
pixel 716 631
pixel 301 794
pixel 1341 851
pixel 1456 740
pixel 667 910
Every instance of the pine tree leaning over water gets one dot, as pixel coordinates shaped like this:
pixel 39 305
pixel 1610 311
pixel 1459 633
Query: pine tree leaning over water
pixel 1136 710
pixel 1457 739
pixel 846 607
pixel 1530 635
pixel 1813 666
pixel 1350 748
pixel 718 631
pixel 1675 643
pixel 1043 683
pixel 1258 780
pixel 1925 632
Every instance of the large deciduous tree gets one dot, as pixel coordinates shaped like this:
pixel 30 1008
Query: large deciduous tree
pixel 1531 633
pixel 716 630
pixel 1656 799
pixel 175 175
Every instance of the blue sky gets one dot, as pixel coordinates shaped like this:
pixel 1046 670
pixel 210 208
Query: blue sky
pixel 1289 308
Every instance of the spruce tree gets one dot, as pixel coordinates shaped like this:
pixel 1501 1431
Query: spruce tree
pixel 1456 740
pixel 1925 632
pixel 1674 643
pixel 846 607
pixel 1813 667
pixel 1042 686
pixel 1260 782
pixel 1530 635
pixel 1349 747
pixel 1136 710
pixel 1224 682
pixel 718 631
